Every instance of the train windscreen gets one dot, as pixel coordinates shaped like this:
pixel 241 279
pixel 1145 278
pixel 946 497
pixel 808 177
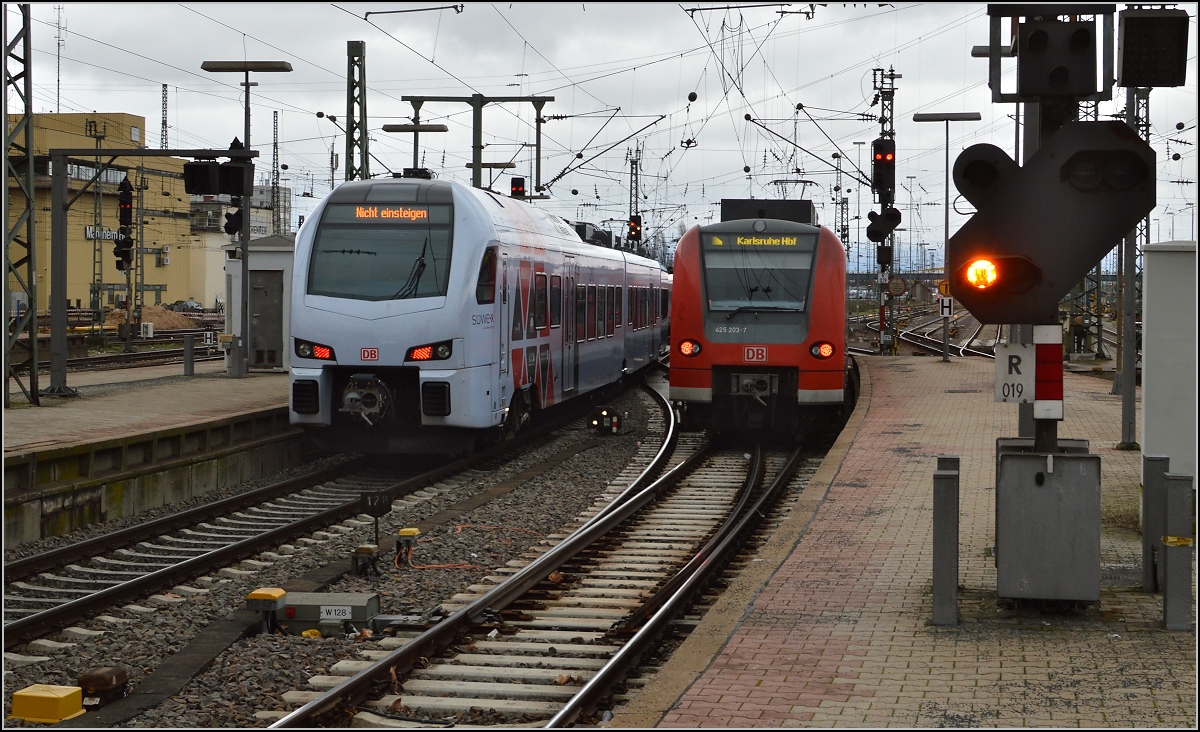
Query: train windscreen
pixel 382 251
pixel 755 271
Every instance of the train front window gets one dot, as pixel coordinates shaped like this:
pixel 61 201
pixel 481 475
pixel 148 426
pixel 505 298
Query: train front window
pixel 759 278
pixel 382 251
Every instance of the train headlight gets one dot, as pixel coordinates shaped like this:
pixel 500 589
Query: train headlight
pixel 689 348
pixel 822 350
pixel 307 349
pixel 430 352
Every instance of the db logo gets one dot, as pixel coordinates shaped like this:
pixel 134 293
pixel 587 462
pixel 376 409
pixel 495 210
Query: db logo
pixel 370 354
pixel 756 354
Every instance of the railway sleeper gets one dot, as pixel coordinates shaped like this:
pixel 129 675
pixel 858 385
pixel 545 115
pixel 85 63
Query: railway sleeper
pixel 172 558
pixel 499 674
pixel 518 661
pixel 442 706
pixel 517 647
pixel 91 581
pixel 50 590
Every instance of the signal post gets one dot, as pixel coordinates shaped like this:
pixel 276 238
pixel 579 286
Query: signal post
pixel 1038 229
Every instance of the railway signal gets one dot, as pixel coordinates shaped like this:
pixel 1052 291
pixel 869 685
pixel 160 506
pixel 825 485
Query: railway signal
pixel 123 246
pixel 882 224
pixel 883 170
pixel 1039 229
pixel 635 227
pixel 123 249
pixel 517 188
pixel 125 202
pixel 233 219
pixel 202 177
pixel 1056 58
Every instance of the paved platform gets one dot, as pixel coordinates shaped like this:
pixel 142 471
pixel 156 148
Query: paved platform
pixel 131 401
pixel 830 625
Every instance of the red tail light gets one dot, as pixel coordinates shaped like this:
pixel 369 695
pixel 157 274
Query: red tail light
pixel 689 348
pixel 823 350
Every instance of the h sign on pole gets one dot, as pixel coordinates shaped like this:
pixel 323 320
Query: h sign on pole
pixel 946 306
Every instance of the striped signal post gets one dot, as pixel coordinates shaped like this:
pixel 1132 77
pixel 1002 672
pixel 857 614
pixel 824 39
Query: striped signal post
pixel 1048 373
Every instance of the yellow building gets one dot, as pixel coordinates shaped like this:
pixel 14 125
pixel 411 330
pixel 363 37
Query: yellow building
pixel 179 249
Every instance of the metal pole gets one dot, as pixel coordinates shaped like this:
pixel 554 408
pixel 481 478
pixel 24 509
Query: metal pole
pixel 416 135
pixel 189 355
pixel 1129 313
pixel 58 282
pixel 243 341
pixel 477 102
pixel 946 246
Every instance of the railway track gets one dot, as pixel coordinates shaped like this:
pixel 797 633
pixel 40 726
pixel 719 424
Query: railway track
pixel 59 587
pixel 56 588
pixel 556 636
pixel 156 352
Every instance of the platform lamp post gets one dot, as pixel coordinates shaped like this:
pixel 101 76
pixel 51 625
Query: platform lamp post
pixel 240 365
pixel 858 231
pixel 946 117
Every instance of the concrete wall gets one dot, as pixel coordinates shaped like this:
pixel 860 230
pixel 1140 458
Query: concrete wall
pixel 54 492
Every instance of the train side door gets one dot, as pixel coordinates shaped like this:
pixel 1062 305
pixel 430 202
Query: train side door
pixel 503 318
pixel 570 356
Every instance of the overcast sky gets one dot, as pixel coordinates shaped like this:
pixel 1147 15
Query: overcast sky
pixel 620 75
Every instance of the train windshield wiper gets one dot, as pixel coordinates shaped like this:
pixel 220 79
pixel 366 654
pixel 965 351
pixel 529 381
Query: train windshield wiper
pixel 414 277
pixel 764 307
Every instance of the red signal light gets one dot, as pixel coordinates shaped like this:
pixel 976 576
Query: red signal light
pixel 822 350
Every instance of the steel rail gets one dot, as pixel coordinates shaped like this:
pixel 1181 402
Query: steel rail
pixel 22 568
pixel 32 626
pixel 356 688
pixel 677 593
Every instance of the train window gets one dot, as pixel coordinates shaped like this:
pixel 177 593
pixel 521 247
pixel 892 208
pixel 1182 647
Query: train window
pixel 485 290
pixel 591 312
pixel 600 310
pixel 664 298
pixel 540 301
pixel 556 301
pixel 654 302
pixel 617 315
pixel 760 277
pixel 382 251
pixel 580 313
pixel 609 317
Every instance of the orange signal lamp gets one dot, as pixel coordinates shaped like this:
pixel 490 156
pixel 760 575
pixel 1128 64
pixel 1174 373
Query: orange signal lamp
pixel 822 350
pixel 981 273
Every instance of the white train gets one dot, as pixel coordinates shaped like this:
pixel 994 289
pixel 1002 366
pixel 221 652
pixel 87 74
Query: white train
pixel 427 315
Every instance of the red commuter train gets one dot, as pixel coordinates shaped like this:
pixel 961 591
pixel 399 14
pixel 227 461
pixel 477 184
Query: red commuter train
pixel 758 327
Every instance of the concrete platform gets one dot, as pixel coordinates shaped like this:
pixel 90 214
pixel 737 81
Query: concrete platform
pixel 135 439
pixel 832 627
pixel 135 400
